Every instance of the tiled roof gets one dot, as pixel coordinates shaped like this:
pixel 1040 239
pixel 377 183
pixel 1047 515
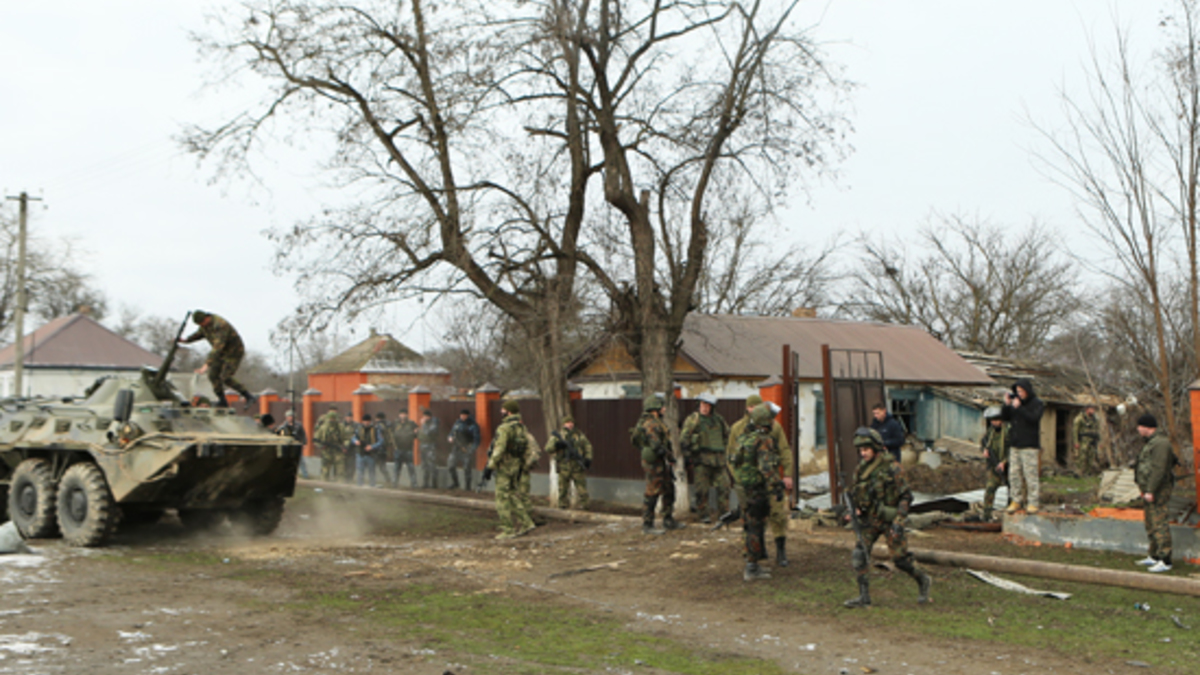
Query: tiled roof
pixel 78 341
pixel 379 353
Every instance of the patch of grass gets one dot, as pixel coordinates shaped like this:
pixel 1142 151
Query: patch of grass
pixel 1066 483
pixel 1098 623
pixel 170 559
pixel 525 630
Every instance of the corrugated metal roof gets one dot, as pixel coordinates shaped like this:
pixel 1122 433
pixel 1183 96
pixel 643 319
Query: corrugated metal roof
pixel 751 346
pixel 379 353
pixel 78 341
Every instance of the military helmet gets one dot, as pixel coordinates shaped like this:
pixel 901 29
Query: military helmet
pixel 761 415
pixel 992 412
pixel 753 400
pixel 511 406
pixel 652 402
pixel 866 436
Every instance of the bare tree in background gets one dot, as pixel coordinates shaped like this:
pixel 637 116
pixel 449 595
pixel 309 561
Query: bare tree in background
pixel 974 286
pixel 748 275
pixel 460 126
pixel 1111 156
pixel 55 284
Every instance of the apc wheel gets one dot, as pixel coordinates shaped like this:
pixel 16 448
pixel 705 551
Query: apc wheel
pixel 260 517
pixel 86 512
pixel 31 499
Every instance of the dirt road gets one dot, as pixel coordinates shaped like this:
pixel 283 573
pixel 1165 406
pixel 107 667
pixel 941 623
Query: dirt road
pixel 355 584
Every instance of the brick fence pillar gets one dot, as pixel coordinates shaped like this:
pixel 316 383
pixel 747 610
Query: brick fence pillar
pixel 419 398
pixel 484 396
pixel 310 396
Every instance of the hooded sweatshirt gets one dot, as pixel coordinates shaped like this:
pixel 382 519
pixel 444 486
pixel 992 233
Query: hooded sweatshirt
pixel 1026 421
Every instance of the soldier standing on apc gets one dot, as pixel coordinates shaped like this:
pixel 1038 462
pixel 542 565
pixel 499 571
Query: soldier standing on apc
pixel 224 358
pixel 1155 480
pixel 705 435
pixel 572 452
pixel 755 463
pixel 464 439
pixel 652 440
pixel 881 500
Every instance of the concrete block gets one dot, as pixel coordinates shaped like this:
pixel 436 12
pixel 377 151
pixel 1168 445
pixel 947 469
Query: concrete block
pixel 1100 534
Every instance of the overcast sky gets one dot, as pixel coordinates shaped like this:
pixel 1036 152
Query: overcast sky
pixel 92 92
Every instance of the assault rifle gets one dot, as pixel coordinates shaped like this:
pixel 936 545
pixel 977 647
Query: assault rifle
pixel 861 555
pixel 487 471
pixel 570 452
pixel 727 518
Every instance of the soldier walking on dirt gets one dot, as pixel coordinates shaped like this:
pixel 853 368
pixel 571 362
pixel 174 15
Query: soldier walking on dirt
pixel 755 464
pixel 464 440
pixel 510 451
pixel 652 440
pixel 1155 479
pixel 328 437
pixel 995 455
pixel 224 357
pixel 572 452
pixel 404 436
pixel 704 437
pixel 880 500
pixel 1086 436
pixel 777 522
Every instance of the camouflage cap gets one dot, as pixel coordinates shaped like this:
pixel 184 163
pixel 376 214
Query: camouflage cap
pixel 865 436
pixel 761 415
pixel 753 400
pixel 199 315
pixel 511 406
pixel 652 402
pixel 567 419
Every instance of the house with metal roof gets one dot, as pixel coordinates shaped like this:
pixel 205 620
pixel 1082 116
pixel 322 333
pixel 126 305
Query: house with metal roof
pixel 380 363
pixel 66 355
pixel 730 355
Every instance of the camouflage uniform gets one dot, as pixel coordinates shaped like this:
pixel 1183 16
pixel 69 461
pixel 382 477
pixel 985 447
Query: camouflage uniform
pixel 404 435
pixel 224 357
pixel 652 440
pixel 328 437
pixel 510 450
pixel 571 470
pixel 780 507
pixel 427 434
pixel 881 497
pixel 1154 476
pixel 756 466
pixel 1087 436
pixel 995 443
pixel 706 437
pixel 533 455
pixel 464 439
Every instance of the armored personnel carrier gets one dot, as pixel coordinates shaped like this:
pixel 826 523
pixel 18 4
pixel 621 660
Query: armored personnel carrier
pixel 132 449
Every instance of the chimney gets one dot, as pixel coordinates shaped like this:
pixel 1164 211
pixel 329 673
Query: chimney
pixel 804 313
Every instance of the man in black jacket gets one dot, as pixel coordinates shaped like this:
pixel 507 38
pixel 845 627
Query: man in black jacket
pixel 1023 411
pixel 889 428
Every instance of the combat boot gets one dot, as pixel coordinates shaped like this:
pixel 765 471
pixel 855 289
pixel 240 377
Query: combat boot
pixel 864 594
pixel 781 551
pixel 649 528
pixel 753 572
pixel 669 523
pixel 923 583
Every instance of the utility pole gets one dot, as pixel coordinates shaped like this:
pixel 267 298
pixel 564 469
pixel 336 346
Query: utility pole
pixel 19 314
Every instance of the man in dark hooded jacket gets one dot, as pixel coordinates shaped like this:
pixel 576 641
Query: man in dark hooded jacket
pixel 1023 411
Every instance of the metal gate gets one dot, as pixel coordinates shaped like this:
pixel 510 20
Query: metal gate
pixel 853 383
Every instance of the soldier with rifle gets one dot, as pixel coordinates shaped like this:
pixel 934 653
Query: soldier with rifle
pixel 652 440
pixel 703 439
pixel 572 452
pixel 1087 437
pixel 509 457
pixel 878 505
pixel 995 454
pixel 780 508
pixel 328 436
pixel 756 466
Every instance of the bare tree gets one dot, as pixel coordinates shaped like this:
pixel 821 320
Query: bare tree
pixel 461 129
pixel 974 286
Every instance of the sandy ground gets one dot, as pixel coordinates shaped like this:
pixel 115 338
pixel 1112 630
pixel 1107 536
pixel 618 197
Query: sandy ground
pixel 162 600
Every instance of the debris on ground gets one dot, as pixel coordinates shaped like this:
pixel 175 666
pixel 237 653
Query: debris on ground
pixel 11 540
pixel 1013 586
pixel 1118 487
pixel 615 565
